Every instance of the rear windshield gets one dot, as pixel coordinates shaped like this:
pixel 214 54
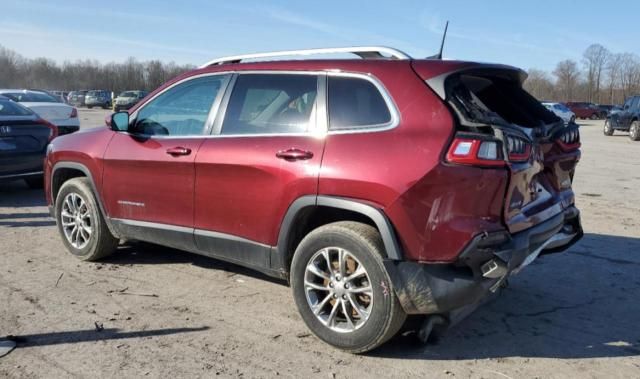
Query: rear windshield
pixel 95 93
pixel 128 94
pixel 491 99
pixel 9 108
pixel 31 97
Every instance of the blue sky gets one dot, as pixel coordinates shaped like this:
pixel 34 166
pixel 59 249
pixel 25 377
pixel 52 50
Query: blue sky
pixel 534 33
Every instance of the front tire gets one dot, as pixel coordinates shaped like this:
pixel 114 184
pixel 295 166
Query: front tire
pixel 607 130
pixel 342 289
pixel 634 131
pixel 83 230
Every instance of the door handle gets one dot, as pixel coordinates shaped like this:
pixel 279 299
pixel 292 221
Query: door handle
pixel 175 151
pixel 294 154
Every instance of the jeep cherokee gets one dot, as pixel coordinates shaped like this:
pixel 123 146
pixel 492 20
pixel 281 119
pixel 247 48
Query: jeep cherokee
pixel 378 187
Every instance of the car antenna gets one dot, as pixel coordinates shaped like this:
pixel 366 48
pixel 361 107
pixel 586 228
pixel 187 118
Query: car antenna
pixel 444 36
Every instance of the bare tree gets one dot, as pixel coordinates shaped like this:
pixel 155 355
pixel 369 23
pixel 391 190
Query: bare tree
pixel 594 61
pixel 19 72
pixel 539 84
pixel 567 74
pixel 629 74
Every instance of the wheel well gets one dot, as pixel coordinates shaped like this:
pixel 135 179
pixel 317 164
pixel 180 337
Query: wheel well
pixel 60 176
pixel 313 217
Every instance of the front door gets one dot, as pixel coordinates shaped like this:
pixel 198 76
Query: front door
pixel 149 172
pixel 266 154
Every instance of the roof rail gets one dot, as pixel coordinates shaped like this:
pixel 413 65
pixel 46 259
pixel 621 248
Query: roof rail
pixel 364 52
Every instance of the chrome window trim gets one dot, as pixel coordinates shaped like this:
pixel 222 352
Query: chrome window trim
pixel 391 106
pixel 213 110
pixel 322 115
pixel 21 175
pixel 313 130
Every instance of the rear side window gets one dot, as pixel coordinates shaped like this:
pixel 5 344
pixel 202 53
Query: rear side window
pixel 271 104
pixel 9 108
pixel 355 103
pixel 181 110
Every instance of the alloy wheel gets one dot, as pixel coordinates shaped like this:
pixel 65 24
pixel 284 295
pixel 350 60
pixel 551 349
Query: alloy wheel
pixel 76 220
pixel 338 290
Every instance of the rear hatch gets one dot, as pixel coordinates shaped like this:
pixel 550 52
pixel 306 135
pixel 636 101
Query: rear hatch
pixel 54 112
pixel 532 143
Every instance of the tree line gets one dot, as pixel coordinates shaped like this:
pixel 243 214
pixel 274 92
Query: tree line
pixel 17 71
pixel 601 77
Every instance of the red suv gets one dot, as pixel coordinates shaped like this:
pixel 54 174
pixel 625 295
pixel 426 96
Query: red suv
pixel 378 187
pixel 586 110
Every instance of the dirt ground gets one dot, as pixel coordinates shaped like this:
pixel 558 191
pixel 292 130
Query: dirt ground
pixel 156 312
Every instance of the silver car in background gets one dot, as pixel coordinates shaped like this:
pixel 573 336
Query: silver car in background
pixel 561 111
pixel 47 106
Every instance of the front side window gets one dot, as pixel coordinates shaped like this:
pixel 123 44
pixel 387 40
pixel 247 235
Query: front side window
pixel 181 110
pixel 271 104
pixel 355 103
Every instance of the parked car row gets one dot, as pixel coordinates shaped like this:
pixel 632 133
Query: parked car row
pixel 103 99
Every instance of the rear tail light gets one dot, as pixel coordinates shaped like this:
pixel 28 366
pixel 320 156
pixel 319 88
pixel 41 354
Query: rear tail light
pixel 53 130
pixel 477 152
pixel 74 113
pixel 569 140
pixel 518 149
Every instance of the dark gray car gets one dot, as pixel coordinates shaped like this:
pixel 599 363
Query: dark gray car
pixel 626 120
pixel 24 137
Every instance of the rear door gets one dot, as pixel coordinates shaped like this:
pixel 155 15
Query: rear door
pixel 266 153
pixel 149 172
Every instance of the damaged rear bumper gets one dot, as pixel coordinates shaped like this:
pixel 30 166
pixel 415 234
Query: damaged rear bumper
pixel 487 261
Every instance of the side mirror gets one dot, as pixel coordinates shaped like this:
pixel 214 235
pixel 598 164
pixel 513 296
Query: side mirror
pixel 119 121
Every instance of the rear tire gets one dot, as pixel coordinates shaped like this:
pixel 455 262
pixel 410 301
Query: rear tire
pixel 366 312
pixel 607 130
pixel 634 131
pixel 80 223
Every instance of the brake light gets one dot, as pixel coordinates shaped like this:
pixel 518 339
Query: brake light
pixel 53 130
pixel 519 149
pixel 477 152
pixel 74 113
pixel 569 140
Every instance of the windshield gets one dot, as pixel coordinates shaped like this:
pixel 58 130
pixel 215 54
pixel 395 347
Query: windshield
pixel 95 93
pixel 128 94
pixel 9 108
pixel 31 97
pixel 561 107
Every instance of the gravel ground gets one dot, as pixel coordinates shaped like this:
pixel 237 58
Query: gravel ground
pixel 156 312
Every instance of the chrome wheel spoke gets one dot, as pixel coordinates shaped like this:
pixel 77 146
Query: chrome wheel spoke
pixel 315 270
pixel 333 273
pixel 315 286
pixel 318 308
pixel 359 272
pixel 75 217
pixel 332 316
pixel 359 310
pixel 347 315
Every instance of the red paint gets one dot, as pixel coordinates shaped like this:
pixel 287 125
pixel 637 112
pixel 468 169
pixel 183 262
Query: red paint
pixel 243 186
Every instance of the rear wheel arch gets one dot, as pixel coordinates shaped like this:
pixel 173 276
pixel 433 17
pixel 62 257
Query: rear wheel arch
pixel 310 212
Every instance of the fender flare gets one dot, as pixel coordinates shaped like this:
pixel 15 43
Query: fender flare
pixel 85 170
pixel 387 232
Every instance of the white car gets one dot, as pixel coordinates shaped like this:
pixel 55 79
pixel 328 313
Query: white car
pixel 561 111
pixel 47 106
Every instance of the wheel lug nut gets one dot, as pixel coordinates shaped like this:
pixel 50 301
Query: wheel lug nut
pixel 338 277
pixel 331 284
pixel 335 296
pixel 346 286
pixel 344 297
